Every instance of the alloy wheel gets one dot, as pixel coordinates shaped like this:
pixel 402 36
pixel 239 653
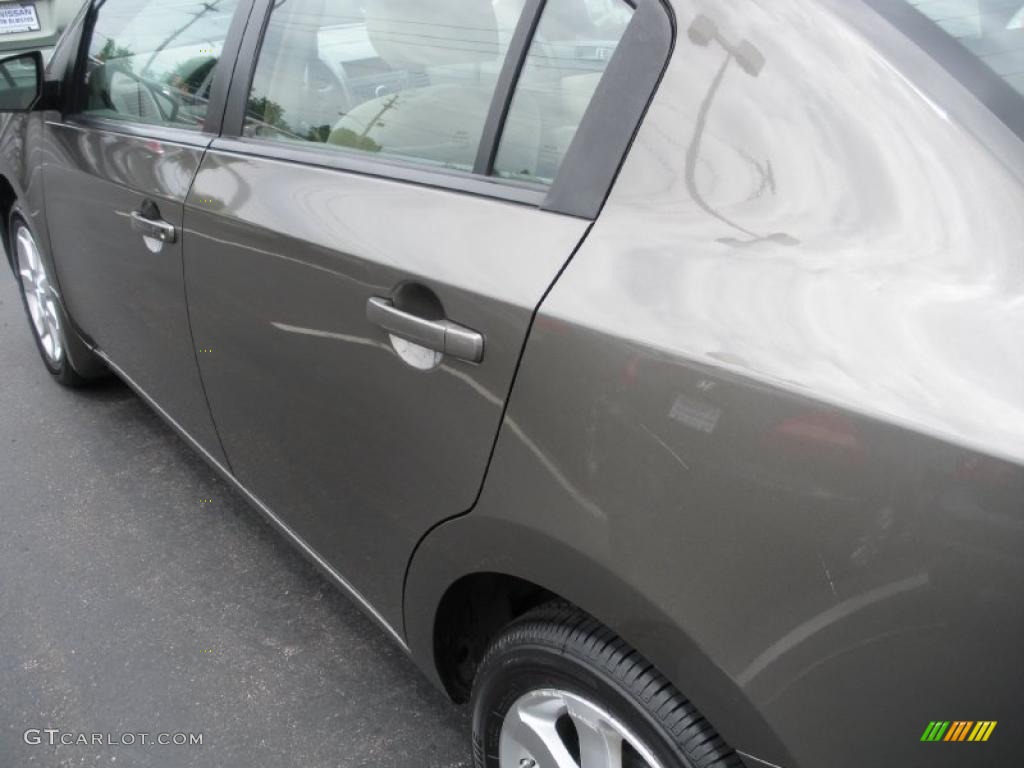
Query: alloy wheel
pixel 556 729
pixel 39 296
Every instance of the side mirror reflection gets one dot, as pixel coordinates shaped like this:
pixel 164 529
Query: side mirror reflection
pixel 21 81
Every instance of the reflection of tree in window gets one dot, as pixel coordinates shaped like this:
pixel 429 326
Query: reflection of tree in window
pixel 111 51
pixel 196 16
pixel 189 76
pixel 346 137
pixel 269 113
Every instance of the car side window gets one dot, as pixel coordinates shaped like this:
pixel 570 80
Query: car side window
pixel 574 43
pixel 153 61
pixel 991 30
pixel 979 42
pixel 403 79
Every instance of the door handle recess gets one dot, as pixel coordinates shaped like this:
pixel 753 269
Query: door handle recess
pixel 439 335
pixel 156 228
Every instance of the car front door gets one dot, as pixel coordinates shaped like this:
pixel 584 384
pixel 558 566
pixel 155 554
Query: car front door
pixel 364 258
pixel 118 168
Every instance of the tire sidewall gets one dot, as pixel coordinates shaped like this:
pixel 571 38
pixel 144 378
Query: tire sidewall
pixel 17 221
pixel 506 676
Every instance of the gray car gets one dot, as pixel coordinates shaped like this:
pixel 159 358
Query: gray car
pixel 653 373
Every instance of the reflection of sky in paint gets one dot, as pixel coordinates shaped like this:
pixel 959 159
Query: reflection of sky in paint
pixel 993 30
pixel 904 295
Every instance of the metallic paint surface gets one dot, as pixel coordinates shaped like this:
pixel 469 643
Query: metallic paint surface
pixel 357 451
pixel 769 424
pixel 23 149
pixel 130 300
pixel 297 541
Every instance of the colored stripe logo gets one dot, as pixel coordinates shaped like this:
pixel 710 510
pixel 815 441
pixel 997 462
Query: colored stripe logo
pixel 958 730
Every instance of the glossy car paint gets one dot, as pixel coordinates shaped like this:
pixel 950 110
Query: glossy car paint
pixel 357 451
pixel 767 425
pixel 23 145
pixel 770 424
pixel 130 298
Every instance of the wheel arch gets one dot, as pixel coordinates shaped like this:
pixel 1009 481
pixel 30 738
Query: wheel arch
pixel 79 346
pixel 8 197
pixel 513 569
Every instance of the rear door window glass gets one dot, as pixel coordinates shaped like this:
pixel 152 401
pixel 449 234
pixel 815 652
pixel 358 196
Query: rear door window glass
pixel 991 30
pixel 400 79
pixel 574 43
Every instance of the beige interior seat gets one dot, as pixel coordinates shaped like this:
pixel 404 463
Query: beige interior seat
pixel 287 74
pixel 577 92
pixel 443 121
pixel 542 124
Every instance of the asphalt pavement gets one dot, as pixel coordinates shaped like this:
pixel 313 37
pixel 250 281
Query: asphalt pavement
pixel 140 594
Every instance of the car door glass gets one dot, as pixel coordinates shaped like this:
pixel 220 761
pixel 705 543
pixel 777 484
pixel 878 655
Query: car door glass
pixel 153 61
pixel 574 42
pixel 992 30
pixel 403 79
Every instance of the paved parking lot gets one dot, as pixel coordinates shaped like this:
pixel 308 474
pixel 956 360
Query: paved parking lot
pixel 127 605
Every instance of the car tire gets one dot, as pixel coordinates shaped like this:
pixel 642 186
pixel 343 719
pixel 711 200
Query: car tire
pixel 49 323
pixel 556 682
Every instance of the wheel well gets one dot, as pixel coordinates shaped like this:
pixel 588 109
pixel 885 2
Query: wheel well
pixel 7 198
pixel 472 612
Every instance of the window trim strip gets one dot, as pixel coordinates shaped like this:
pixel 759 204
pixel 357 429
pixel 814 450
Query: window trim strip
pixel 136 130
pixel 589 168
pixel 245 68
pixel 396 170
pixel 216 109
pixel 508 80
pixel 613 117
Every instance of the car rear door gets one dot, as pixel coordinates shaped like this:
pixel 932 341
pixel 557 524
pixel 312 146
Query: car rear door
pixel 366 252
pixel 118 167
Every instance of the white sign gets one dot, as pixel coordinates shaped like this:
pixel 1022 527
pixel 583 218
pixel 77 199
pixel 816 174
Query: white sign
pixel 18 18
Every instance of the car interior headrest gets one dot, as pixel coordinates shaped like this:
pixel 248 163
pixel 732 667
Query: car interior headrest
pixel 408 34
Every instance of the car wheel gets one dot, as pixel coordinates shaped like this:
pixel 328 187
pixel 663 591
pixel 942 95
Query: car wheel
pixel 45 314
pixel 557 689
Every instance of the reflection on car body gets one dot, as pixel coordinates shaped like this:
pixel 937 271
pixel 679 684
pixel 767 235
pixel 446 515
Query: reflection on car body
pixel 650 372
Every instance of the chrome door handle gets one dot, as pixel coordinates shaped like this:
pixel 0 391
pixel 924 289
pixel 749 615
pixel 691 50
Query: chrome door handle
pixel 439 335
pixel 156 228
